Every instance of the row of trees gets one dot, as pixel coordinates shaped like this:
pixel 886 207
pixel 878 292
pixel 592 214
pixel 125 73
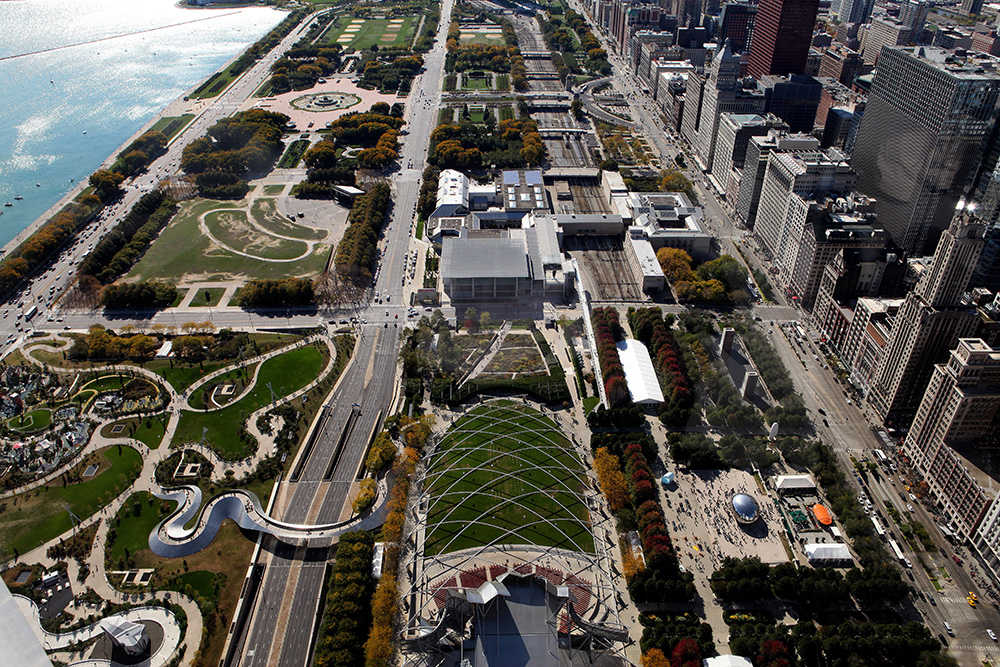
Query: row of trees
pixel 121 249
pixel 348 614
pixel 597 58
pixel 607 331
pixel 355 255
pixel 649 327
pixel 140 153
pixel 380 649
pixel 679 635
pixel 767 361
pixel 150 295
pixel 661 578
pixel 284 293
pixel 102 345
pixel 850 642
pixel 302 66
pixel 513 143
pixel 427 201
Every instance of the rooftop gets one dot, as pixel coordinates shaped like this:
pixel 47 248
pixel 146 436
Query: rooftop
pixel 643 385
pixel 484 257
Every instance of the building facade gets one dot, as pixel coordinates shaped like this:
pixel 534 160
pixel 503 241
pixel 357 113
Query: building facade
pixel 782 35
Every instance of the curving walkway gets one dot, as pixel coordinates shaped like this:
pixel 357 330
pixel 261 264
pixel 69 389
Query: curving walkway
pixel 53 642
pixel 246 210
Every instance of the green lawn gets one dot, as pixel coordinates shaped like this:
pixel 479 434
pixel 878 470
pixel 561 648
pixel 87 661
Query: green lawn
pixel 266 215
pixel 476 83
pixel 35 420
pixel 508 462
pixel 182 249
pixel 33 518
pixel 214 86
pixel 274 189
pixel 171 126
pixel 132 533
pixel 486 39
pixel 238 376
pixel 182 377
pixel 287 373
pixel 234 230
pixel 590 403
pixel 214 295
pixel 148 431
pixel 202 585
pixel 107 383
pixel 371 33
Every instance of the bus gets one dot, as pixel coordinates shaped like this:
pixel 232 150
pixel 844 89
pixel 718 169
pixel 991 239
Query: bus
pixel 31 313
pixel 881 457
pixel 897 551
pixel 879 530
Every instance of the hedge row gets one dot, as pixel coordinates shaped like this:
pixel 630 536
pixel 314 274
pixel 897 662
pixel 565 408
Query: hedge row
pixel 678 391
pixel 608 330
pixel 347 616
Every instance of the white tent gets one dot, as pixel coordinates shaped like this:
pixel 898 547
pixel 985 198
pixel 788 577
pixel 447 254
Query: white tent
pixel 726 661
pixel 794 483
pixel 639 372
pixel 827 553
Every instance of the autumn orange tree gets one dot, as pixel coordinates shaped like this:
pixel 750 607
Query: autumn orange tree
pixel 676 264
pixel 654 657
pixel 611 479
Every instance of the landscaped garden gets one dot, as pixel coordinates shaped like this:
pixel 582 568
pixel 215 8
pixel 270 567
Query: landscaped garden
pixel 226 434
pixel 505 474
pixel 35 517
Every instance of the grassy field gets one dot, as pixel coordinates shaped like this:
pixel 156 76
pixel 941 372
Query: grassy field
pixel 234 230
pixel 132 533
pixel 373 32
pixel 148 431
pixel 183 250
pixel 214 86
pixel 171 126
pixel 33 518
pixel 214 295
pixel 476 83
pixel 287 373
pixel 35 420
pixel 486 39
pixel 293 154
pixel 505 474
pixel 267 216
pixel 274 189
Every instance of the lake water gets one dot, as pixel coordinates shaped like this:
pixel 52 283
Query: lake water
pixel 114 65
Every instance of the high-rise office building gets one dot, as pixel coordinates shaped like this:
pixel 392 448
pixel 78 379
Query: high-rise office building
pixel 759 150
pixel 782 34
pixel 840 63
pixel 855 11
pixel 913 14
pixel 794 99
pixel 928 116
pixel 736 25
pixel 958 412
pixel 883 32
pixel 929 323
pixel 972 6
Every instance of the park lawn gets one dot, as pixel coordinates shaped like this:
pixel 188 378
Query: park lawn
pixel 132 533
pixel 181 293
pixel 183 250
pixel 202 583
pixel 372 31
pixel 287 373
pixel 37 516
pixel 35 420
pixel 486 39
pixel 238 376
pixel 265 214
pixel 590 403
pixel 489 456
pixel 214 295
pixel 148 431
pixel 214 86
pixel 273 189
pixel 234 230
pixel 476 83
pixel 171 126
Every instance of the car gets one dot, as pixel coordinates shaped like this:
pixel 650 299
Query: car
pixel 913 498
pixel 947 628
pixel 992 634
pixel 930 598
pixel 972 603
pixel 822 411
pixel 909 507
pixel 973 596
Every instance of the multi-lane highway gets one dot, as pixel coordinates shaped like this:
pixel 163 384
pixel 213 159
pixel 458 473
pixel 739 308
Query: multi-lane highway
pixel 281 628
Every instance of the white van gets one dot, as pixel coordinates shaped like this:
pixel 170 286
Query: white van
pixel 947 628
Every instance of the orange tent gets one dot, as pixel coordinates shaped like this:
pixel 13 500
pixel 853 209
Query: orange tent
pixel 822 514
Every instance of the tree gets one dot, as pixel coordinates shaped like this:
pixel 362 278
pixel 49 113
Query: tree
pixel 576 107
pixel 654 657
pixel 674 180
pixel 676 264
pixel 611 479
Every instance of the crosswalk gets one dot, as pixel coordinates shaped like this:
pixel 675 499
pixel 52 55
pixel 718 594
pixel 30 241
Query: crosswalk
pixel 981 648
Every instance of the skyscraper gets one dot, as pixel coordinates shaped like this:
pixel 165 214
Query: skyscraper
pixel 929 323
pixel 782 33
pixel 855 11
pixel 919 145
pixel 737 24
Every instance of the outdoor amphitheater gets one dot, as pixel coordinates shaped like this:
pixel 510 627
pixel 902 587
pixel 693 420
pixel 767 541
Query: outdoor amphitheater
pixel 510 563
